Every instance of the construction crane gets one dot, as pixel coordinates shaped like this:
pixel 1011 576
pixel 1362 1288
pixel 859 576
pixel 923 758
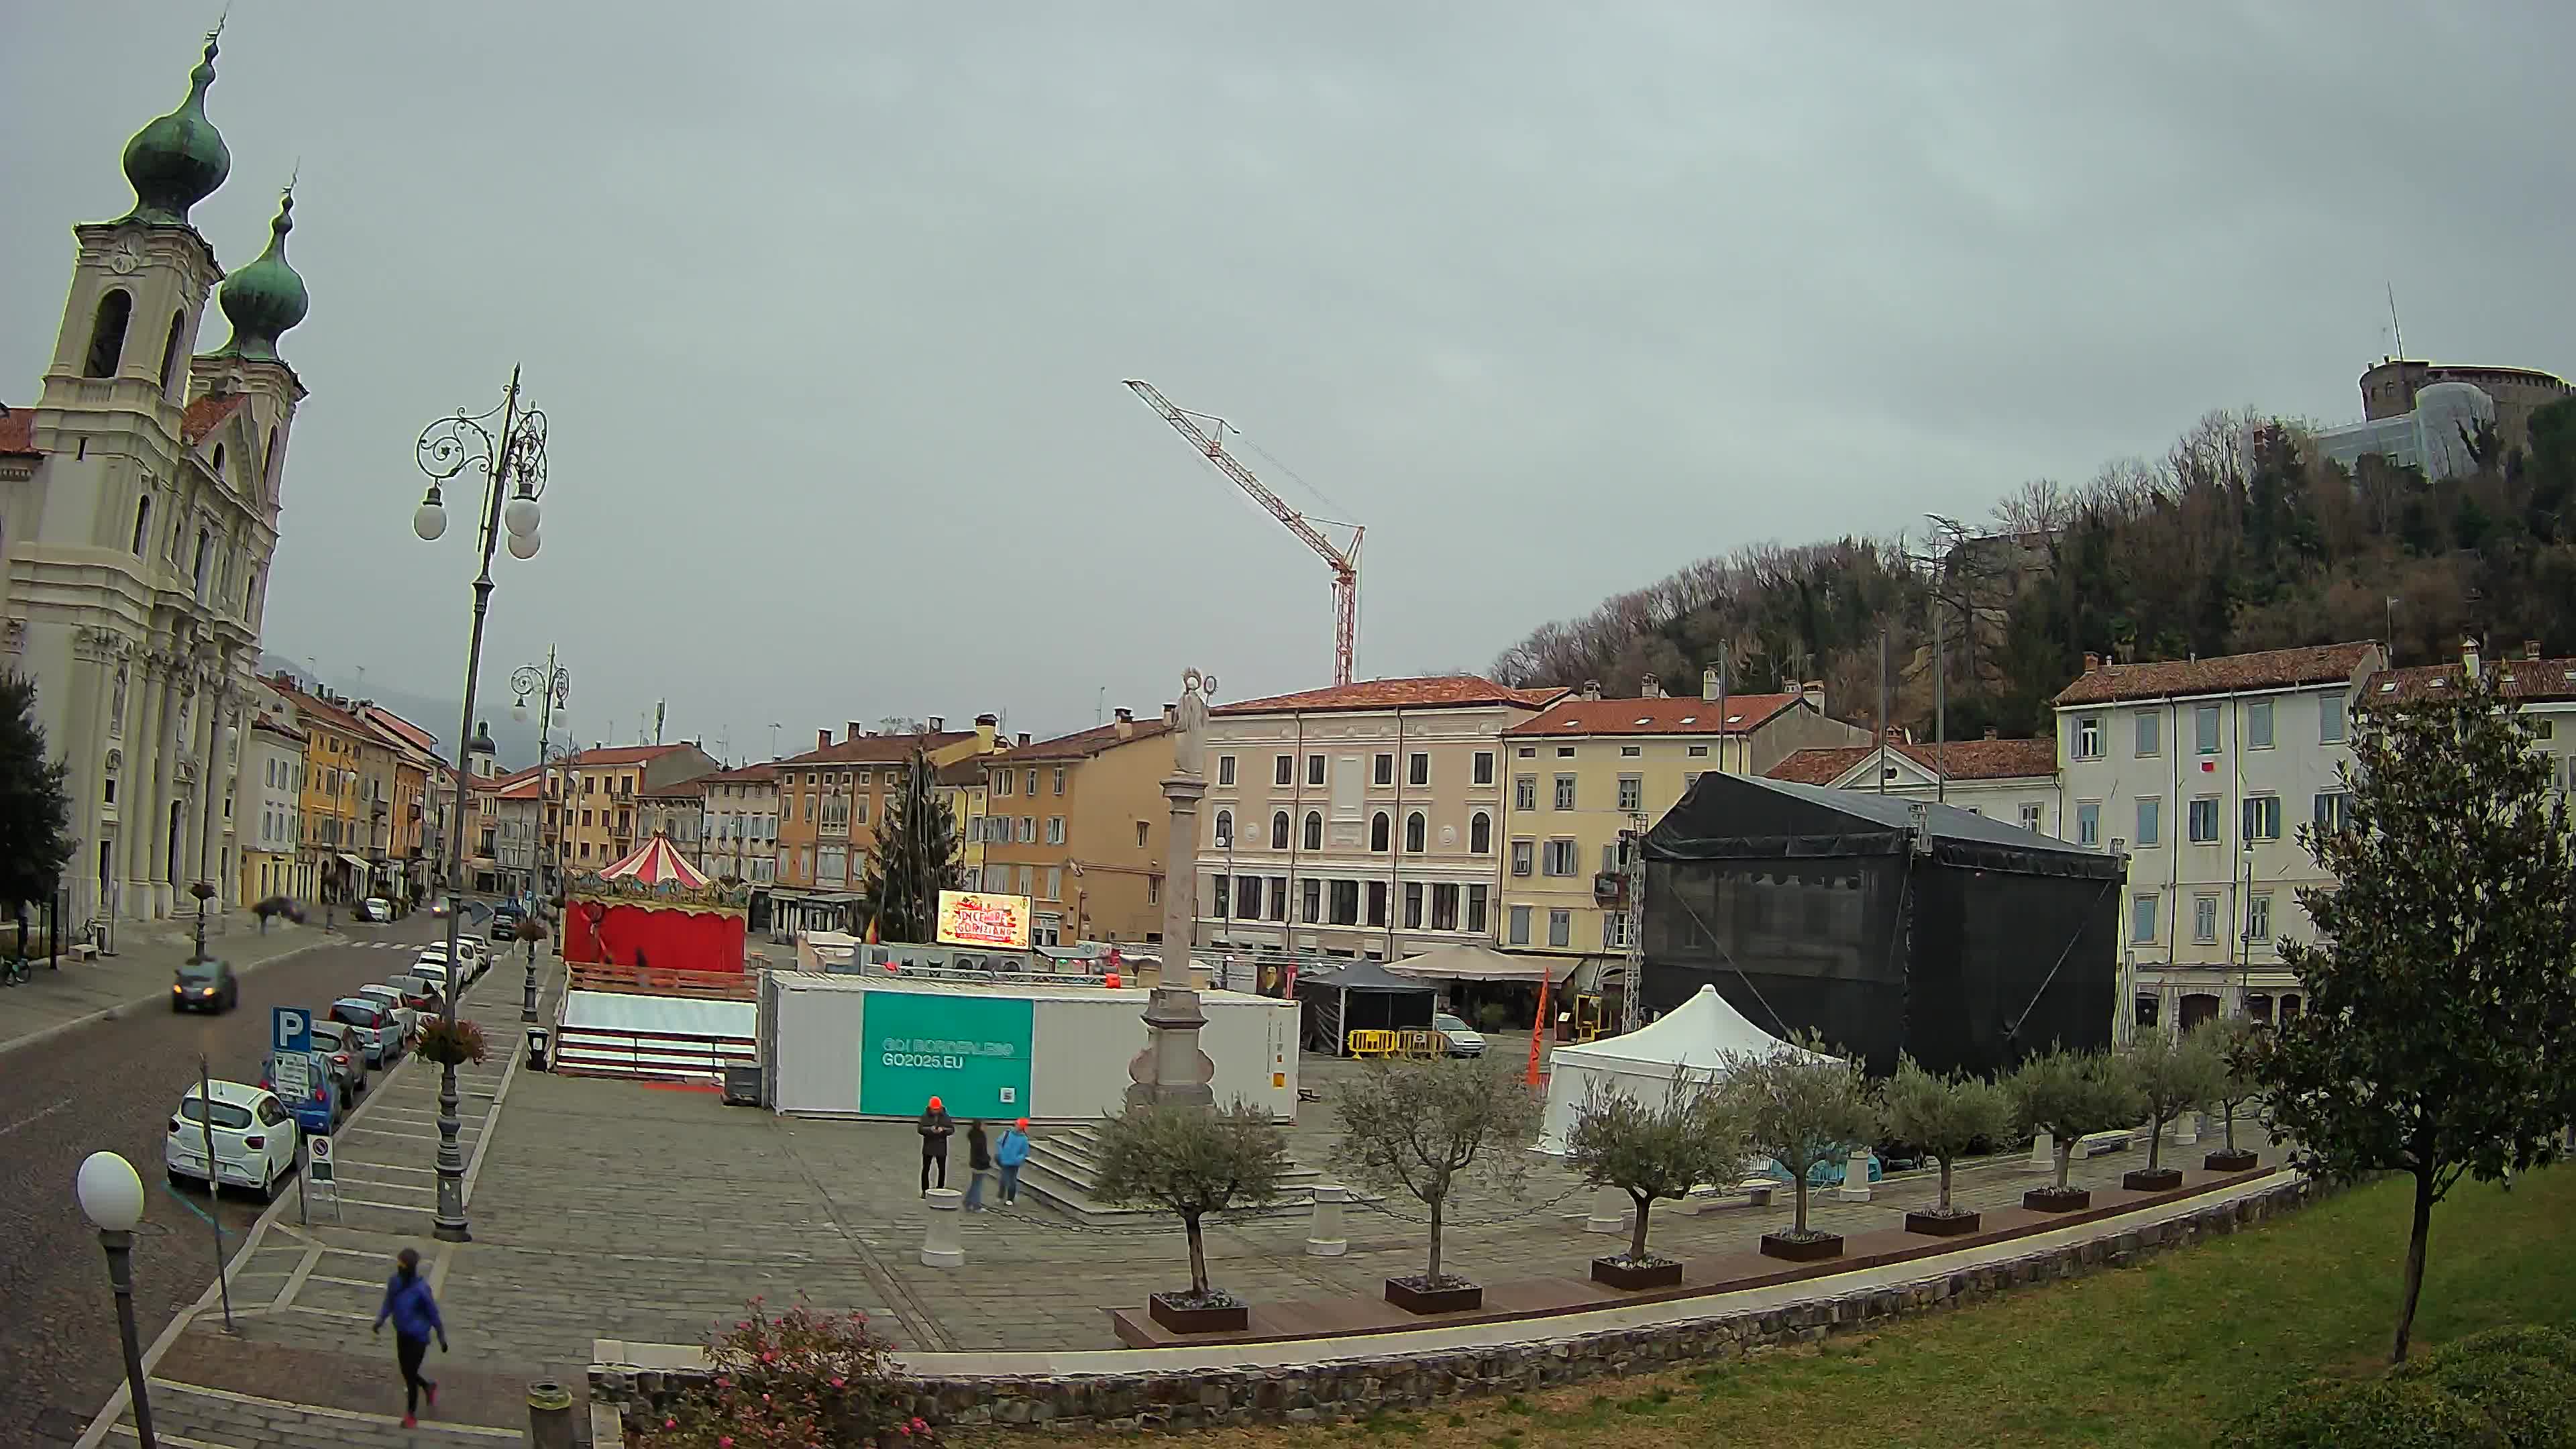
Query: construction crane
pixel 1345 561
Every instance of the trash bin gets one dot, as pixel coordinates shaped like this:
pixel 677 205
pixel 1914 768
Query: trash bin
pixel 537 1048
pixel 742 1084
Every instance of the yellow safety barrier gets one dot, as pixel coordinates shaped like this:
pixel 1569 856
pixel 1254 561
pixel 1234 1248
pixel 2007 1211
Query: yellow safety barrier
pixel 1421 1043
pixel 1373 1043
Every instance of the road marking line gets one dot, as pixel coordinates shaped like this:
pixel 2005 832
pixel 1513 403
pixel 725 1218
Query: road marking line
pixel 344 1282
pixel 514 1436
pixel 35 1117
pixel 400 1207
pixel 295 1280
pixel 322 1313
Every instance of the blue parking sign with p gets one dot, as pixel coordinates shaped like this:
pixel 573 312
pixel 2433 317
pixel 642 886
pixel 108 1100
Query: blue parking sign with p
pixel 290 1029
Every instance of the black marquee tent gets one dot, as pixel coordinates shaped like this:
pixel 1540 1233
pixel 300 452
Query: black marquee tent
pixel 1358 996
pixel 1884 923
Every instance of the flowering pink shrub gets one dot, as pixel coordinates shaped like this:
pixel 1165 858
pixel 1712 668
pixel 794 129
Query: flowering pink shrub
pixel 793 1380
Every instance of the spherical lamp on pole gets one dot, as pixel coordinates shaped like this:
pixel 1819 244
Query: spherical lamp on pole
pixel 111 1197
pixel 512 461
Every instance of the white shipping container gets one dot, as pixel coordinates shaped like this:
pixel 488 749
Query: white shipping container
pixel 1072 1065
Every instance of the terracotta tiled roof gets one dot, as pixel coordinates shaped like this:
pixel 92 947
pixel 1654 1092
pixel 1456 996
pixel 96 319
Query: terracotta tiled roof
pixel 877 749
pixel 1447 691
pixel 1963 760
pixel 763 773
pixel 2538 679
pixel 623 755
pixel 693 788
pixel 207 414
pixel 18 431
pixel 968 771
pixel 2227 673
pixel 1668 716
pixel 526 789
pixel 1082 744
pixel 276 728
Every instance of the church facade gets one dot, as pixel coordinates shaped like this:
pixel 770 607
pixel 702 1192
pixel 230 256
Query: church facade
pixel 138 514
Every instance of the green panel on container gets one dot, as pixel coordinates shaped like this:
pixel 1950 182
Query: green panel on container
pixel 971 1052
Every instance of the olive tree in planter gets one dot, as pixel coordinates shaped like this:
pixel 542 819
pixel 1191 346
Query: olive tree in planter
pixel 2068 1095
pixel 1191 1161
pixel 2239 1047
pixel 1426 1128
pixel 2172 1077
pixel 1946 1117
pixel 1695 1135
pixel 1801 1106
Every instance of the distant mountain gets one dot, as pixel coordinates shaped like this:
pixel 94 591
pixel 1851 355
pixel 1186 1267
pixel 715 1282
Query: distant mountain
pixel 516 740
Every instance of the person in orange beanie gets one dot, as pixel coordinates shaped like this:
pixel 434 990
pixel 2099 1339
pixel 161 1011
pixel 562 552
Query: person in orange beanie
pixel 935 1130
pixel 1008 1154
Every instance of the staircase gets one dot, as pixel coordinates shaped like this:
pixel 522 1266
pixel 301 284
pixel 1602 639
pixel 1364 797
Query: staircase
pixel 1063 1172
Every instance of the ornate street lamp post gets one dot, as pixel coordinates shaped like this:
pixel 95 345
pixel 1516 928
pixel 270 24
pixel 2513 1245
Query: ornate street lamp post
pixel 513 464
pixel 553 686
pixel 111 1197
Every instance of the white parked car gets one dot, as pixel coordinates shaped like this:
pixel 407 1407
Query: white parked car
pixel 376 908
pixel 477 954
pixel 406 1020
pixel 1464 1040
pixel 432 968
pixel 254 1138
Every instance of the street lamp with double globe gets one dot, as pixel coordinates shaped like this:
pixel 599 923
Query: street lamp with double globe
pixel 111 1197
pixel 513 464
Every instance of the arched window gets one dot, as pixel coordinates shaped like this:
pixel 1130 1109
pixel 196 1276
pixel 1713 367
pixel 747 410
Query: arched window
pixel 205 556
pixel 170 351
pixel 1378 828
pixel 1480 834
pixel 1314 830
pixel 107 334
pixel 1225 827
pixel 1413 830
pixel 219 462
pixel 142 523
pixel 1279 831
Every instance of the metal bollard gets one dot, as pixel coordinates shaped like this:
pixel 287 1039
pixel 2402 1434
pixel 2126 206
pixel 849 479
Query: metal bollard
pixel 1609 1213
pixel 549 1415
pixel 941 1247
pixel 1855 1186
pixel 1324 1234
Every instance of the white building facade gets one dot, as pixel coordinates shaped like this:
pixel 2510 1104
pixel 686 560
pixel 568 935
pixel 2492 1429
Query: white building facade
pixel 269 812
pixel 2014 781
pixel 2202 771
pixel 740 835
pixel 138 511
pixel 1362 821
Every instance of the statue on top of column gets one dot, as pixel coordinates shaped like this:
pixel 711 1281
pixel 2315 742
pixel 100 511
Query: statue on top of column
pixel 1189 723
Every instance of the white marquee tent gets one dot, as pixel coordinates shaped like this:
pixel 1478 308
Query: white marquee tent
pixel 1695 1037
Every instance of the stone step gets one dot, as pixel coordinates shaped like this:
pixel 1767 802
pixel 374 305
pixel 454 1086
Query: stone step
pixel 1063 1171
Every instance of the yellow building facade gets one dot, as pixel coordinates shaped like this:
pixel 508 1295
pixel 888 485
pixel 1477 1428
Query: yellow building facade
pixel 1079 825
pixel 1583 771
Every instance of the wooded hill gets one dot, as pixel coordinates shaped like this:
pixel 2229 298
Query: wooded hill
pixel 2241 537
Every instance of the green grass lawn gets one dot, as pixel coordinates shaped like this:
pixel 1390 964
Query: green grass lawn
pixel 2161 1354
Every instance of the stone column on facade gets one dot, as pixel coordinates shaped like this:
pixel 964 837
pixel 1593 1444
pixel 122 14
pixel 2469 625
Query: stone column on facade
pixel 95 650
pixel 136 798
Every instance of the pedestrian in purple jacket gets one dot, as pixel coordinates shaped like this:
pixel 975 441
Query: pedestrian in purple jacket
pixel 415 1314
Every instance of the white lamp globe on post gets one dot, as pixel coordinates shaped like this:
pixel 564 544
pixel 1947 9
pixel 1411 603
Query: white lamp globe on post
pixel 111 1197
pixel 520 516
pixel 523 545
pixel 429 520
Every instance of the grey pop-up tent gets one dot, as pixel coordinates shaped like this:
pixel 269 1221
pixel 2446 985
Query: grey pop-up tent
pixel 1884 923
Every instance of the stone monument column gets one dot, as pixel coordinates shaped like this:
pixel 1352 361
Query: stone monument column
pixel 1171 1068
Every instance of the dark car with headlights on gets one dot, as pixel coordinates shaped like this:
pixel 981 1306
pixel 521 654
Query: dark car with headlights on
pixel 205 986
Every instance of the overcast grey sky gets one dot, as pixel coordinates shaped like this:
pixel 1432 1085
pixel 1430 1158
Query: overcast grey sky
pixel 830 303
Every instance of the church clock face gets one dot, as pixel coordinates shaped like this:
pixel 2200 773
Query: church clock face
pixel 126 258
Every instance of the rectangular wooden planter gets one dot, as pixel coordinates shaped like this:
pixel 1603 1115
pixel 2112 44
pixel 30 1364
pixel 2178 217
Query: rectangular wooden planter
pixel 2160 1179
pixel 2223 1160
pixel 1458 1298
pixel 1634 1276
pixel 2057 1200
pixel 1802 1250
pixel 1940 1225
pixel 1183 1318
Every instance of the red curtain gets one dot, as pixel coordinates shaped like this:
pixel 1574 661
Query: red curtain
pixel 668 940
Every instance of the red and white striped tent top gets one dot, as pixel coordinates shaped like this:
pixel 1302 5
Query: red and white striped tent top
pixel 654 863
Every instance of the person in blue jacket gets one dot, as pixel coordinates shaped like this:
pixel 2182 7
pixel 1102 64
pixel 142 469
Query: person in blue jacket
pixel 415 1314
pixel 1008 1154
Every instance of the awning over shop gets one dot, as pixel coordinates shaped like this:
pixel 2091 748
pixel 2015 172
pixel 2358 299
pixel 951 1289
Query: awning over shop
pixel 354 862
pixel 1466 962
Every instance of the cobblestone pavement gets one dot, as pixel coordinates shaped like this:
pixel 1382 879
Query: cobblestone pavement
pixel 605 1209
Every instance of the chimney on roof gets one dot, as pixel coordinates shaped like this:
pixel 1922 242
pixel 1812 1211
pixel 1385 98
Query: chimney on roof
pixel 822 739
pixel 2092 662
pixel 1171 715
pixel 939 724
pixel 1126 723
pixel 2531 649
pixel 2469 655
pixel 855 731
pixel 1592 689
pixel 1650 687
pixel 1708 684
pixel 1813 691
pixel 1024 737
pixel 1990 732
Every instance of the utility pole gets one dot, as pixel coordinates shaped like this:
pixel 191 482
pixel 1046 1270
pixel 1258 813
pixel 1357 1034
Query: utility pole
pixel 1882 709
pixel 1940 707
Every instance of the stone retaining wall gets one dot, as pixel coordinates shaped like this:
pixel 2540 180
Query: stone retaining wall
pixel 1351 1387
